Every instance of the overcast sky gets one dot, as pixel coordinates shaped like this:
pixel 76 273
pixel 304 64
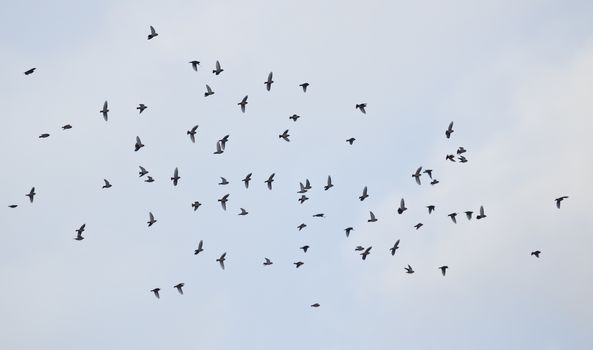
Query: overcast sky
pixel 515 77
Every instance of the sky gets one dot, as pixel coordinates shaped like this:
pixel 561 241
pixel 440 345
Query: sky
pixel 516 78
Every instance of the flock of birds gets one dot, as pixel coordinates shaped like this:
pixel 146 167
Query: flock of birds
pixel 303 188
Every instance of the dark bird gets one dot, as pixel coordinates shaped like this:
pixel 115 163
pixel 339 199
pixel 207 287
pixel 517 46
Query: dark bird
pixel 221 260
pixel 307 184
pixel 30 71
pixel 79 233
pixel 67 127
pixel 294 117
pixel 192 133
pixel 450 157
pixel 462 159
pixel 449 130
pixel 536 253
pixel 444 269
pixel 142 171
pixel 304 86
pixel 418 225
pixel 151 219
pixel 31 194
pixel 194 65
pixel 196 205
pixel 364 194
pixel 394 248
pixel 329 183
pixel 359 248
pixel 417 175
pixel 481 215
pixel 13 206
pixel 351 140
pixel 302 188
pixel 402 207
pixel 138 144
pixel 218 148
pixel 208 91
pixel 315 305
pixel 223 181
pixel 362 107
pixel 285 136
pixel 409 269
pixel 223 141
pixel 269 82
pixel 175 177
pixel 430 208
pixel 373 218
pixel 301 226
pixel 348 230
pixel 246 180
pixel 303 199
pixel 243 103
pixel 559 200
pixel 461 150
pixel 270 180
pixel 468 214
pixel 153 33
pixel 179 287
pixel 149 179
pixel 366 252
pixel 156 292
pixel 268 262
pixel 43 136
pixel 304 248
pixel 218 70
pixel 105 110
pixel 299 264
pixel 452 216
pixel 428 172
pixel 434 182
pixel 223 200
pixel 141 107
pixel 319 215
pixel 243 212
pixel 107 184
pixel 200 248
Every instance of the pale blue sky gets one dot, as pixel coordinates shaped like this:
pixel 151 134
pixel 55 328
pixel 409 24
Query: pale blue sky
pixel 516 77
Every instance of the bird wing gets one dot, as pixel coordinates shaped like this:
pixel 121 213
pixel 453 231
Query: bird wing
pixel 192 138
pixel 106 182
pixel 418 171
pixel 372 215
pixel 138 141
pixel 217 64
pixel 152 31
pixel 329 180
pixel 200 245
pixel 417 178
pixel 195 126
pixel 482 210
pixel 208 89
pixel 176 173
pixel 450 127
pixel 402 203
pixel 218 149
pixel 364 191
pixel 270 77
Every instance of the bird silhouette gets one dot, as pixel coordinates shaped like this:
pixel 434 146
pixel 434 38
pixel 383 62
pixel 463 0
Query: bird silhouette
pixel 351 140
pixel 418 225
pixel 269 82
pixel 319 215
pixel 243 103
pixel 450 157
pixel 364 194
pixel 151 219
pixel 481 215
pixel 179 287
pixel 268 262
pixel 13 206
pixel 217 70
pixel 153 33
pixel 462 159
pixel 221 260
pixel 434 182
pixel 30 71
pixel 536 253
pixel 373 218
pixel 31 194
pixel 223 201
pixel 194 65
pixel 192 133
pixel 348 230
pixel 329 183
pixel 196 205
pixel 559 200
pixel 141 107
pixel 304 248
pixel 444 269
pixel 461 150
pixel 43 136
pixel 298 264
pixel 200 248
pixel 285 136
pixel 105 111
pixel 294 117
pixel 402 206
pixel 246 180
pixel 301 226
pixel 138 144
pixel 175 177
pixel 366 253
pixel 79 232
pixel 149 179
pixel 359 248
pixel 452 216
pixel 107 184
pixel 223 141
pixel 142 171
pixel 449 130
pixel 362 107
pixel 218 148
pixel 270 180
pixel 304 86
pixel 409 269
pixel 67 127
pixel 315 305
pixel 223 181
pixel 430 208
pixel 243 212
pixel 208 91
pixel 156 292
pixel 303 199
pixel 428 172
pixel 417 175
pixel 394 248
pixel 468 214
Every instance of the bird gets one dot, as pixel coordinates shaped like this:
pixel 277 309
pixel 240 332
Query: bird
pixel 192 133
pixel 13 206
pixel 394 248
pixel 79 232
pixel 348 230
pixel 269 82
pixel 461 150
pixel 402 207
pixel 156 292
pixel 462 159
pixel 452 216
pixel 153 33
pixel 218 148
pixel 298 264
pixel 151 219
pixel 67 127
pixel 362 107
pixel 329 183
pixel 449 130
pixel 200 248
pixel 559 200
pixel 366 252
pixel 319 215
pixel 434 182
pixel 481 215
pixel 373 218
pixel 30 71
pixel 409 269
pixel 364 194
pixel 428 172
pixel 302 188
pixel 301 226
pixel 315 305
pixel 359 248
pixel 141 107
pixel 304 248
pixel 243 212
pixel 142 171
pixel 417 175
pixel 105 110
pixel 444 269
pixel 468 214
pixel 304 86
pixel 43 136
pixel 270 180
pixel 307 184
pixel 294 117
pixel 196 205
pixel 303 199
pixel 351 140
pixel 194 65
pixel 450 157
pixel 179 287
pixel 221 260
pixel 175 177
pixel 31 194
pixel 243 103
pixel 149 179
pixel 208 91
pixel 223 141
pixel 218 70
pixel 107 184
pixel 138 144
pixel 418 225
pixel 223 181
pixel 430 208
pixel 268 262
pixel 285 136
pixel 536 253
pixel 223 201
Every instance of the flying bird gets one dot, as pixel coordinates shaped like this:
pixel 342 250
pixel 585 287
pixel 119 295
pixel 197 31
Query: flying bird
pixel 402 207
pixel 394 248
pixel 269 82
pixel 149 179
pixel 268 262
pixel 430 208
pixel 153 33
pixel 329 183
pixel 30 71
pixel 481 215
pixel 434 182
pixel 359 248
pixel 304 86
pixel 194 65
pixel 218 148
pixel 559 200
pixel 79 232
pixel 243 103
pixel 151 219
pixel 223 141
pixel 285 136
pixel 298 264
pixel 302 188
pixel 450 157
pixel 304 248
pixel 418 225
pixel 31 194
pixel 223 200
pixel 141 107
pixel 196 205
pixel 192 133
pixel 362 107
pixel 105 110
pixel 13 206
pixel 142 171
pixel 444 269
pixel 315 305
pixel 138 144
pixel 307 184
pixel 294 117
pixel 409 269
pixel 67 127
pixel 351 140
pixel 461 150
pixel 348 230
pixel 452 216
pixel 270 180
pixel 301 226
pixel 417 175
pixel 179 287
pixel 243 212
pixel 208 91
pixel 223 181
pixel 221 260
pixel 536 253
pixel 246 180
pixel 107 184
pixel 319 215
pixel 364 194
pixel 218 70
pixel 43 136
pixel 449 130
pixel 428 172
pixel 175 177
pixel 373 218
pixel 200 248
pixel 303 199
pixel 366 252
pixel 468 214
pixel 462 159
pixel 156 292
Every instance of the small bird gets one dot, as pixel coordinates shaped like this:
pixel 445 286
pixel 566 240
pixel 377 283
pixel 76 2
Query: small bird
pixel 329 183
pixel 444 269
pixel 223 181
pixel 294 117
pixel 364 194
pixel 373 218
pixel 468 214
pixel 449 130
pixel 307 184
pixel 559 200
pixel 351 140
pixel 409 269
pixel 417 175
pixel 462 159
pixel 67 127
pixel 536 253
pixel 450 157
pixel 192 133
pixel 302 188
pixel 43 136
pixel 223 141
pixel 179 287
pixel 142 171
pixel 31 194
pixel 223 200
pixel 218 148
pixel 153 33
pixel 243 212
pixel 304 248
pixel 138 144
pixel 402 207
pixel 269 82
pixel 303 199
pixel 461 150
pixel 246 180
pixel 430 208
pixel 79 232
pixel 105 110
pixel 149 179
pixel 315 305
pixel 13 206
pixel 151 219
pixel 394 248
pixel 218 70
pixel 359 248
pixel 418 225
pixel 319 215
pixel 348 230
pixel 268 262
pixel 304 86
pixel 270 180
pixel 301 226
pixel 156 292
pixel 194 65
pixel 362 107
pixel 428 172
pixel 243 103
pixel 30 71
pixel 196 205
pixel 200 248
pixel 285 136
pixel 434 182
pixel 107 184
pixel 175 177
pixel 452 216
pixel 366 252
pixel 141 107
pixel 221 260
pixel 299 264
pixel 481 215
pixel 208 91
